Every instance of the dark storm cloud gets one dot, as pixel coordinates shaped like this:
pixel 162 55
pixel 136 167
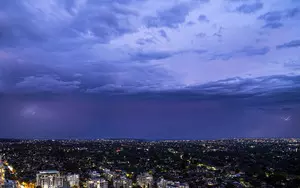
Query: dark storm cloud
pixel 17 26
pixel 81 32
pixel 30 78
pixel 12 72
pixel 291 44
pixel 271 91
pixel 279 90
pixel 104 22
pixel 250 8
pixel 22 26
pixel 243 86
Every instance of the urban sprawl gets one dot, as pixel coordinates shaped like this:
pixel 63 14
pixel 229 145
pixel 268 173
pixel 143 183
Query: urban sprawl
pixel 126 163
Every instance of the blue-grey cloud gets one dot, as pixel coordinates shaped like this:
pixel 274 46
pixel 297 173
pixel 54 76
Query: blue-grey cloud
pixel 238 1
pixel 47 83
pixel 291 44
pixel 279 89
pixel 144 56
pixel 274 19
pixel 274 16
pixel 163 34
pixel 224 56
pixel 248 85
pixel 291 13
pixel 218 34
pixel 202 18
pixel 251 51
pixel 246 51
pixel 269 90
pixel 194 51
pixel 190 23
pixel 145 41
pixel 271 16
pixel 249 8
pixel 201 35
pixel 169 18
pixel 273 25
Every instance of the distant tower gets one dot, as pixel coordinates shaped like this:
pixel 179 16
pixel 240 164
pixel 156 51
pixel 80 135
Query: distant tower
pixel 2 172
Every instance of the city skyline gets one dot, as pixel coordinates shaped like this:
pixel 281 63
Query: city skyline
pixel 176 69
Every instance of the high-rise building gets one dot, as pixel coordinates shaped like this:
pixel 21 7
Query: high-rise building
pixel 162 183
pixel 97 183
pixel 109 174
pixel 122 182
pixel 53 179
pixel 49 179
pixel 72 180
pixel 145 180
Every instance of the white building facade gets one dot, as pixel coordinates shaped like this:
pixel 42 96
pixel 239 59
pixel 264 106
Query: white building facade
pixel 97 183
pixel 145 180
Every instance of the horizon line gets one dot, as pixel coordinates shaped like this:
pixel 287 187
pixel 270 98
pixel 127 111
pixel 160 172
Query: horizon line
pixel 147 139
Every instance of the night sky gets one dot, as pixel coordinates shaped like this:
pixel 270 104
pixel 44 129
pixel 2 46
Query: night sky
pixel 168 69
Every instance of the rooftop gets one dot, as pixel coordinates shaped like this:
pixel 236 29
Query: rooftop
pixel 49 172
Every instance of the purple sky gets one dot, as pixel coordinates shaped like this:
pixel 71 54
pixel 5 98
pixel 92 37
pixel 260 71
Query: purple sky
pixel 149 69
